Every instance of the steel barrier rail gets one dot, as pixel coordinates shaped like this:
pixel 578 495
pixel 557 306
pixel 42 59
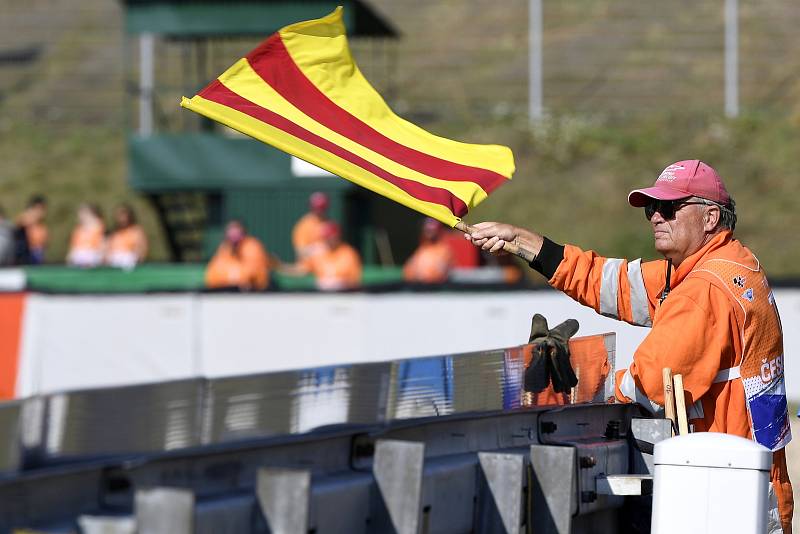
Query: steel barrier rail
pixel 165 416
pixel 334 433
pixel 537 469
pixel 479 473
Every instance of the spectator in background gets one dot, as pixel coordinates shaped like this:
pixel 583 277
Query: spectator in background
pixel 87 240
pixel 336 267
pixel 240 261
pixel 431 262
pixel 7 247
pixel 512 272
pixel 307 233
pixel 127 244
pixel 463 257
pixel 32 229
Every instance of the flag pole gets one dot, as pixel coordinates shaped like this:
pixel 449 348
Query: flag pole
pixel 511 248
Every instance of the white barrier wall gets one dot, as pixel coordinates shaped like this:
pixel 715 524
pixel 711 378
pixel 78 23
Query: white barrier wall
pixel 71 342
pixel 85 341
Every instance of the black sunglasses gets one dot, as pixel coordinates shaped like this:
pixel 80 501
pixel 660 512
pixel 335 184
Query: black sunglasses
pixel 668 208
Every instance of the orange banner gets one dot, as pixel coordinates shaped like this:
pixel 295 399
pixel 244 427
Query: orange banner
pixel 12 306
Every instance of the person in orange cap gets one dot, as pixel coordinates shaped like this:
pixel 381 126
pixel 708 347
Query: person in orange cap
pixel 88 238
pixel 127 244
pixel 337 267
pixel 712 314
pixel 240 261
pixel 307 237
pixel 431 262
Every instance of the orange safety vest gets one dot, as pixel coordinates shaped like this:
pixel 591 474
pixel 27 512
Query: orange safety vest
pixel 430 263
pixel 339 268
pixel 307 236
pixel 760 367
pixel 703 330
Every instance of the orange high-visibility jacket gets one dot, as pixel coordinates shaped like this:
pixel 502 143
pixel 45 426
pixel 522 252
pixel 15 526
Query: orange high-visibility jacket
pixel 430 263
pixel 307 237
pixel 246 267
pixel 130 240
pixel 337 268
pixel 695 331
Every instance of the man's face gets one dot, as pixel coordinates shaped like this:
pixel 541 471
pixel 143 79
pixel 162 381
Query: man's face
pixel 682 235
pixel 38 211
pixel 234 233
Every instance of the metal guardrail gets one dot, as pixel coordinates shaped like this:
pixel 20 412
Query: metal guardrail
pixel 150 418
pixel 437 444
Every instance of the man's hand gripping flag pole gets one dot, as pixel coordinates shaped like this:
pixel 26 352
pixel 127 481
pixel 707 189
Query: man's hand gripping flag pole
pixel 301 92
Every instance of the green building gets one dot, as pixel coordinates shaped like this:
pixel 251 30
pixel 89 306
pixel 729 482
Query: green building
pixel 199 174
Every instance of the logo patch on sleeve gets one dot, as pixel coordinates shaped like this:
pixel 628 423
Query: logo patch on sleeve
pixel 739 281
pixel 748 295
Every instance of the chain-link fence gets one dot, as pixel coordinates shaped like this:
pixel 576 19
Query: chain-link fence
pixel 629 56
pixel 62 61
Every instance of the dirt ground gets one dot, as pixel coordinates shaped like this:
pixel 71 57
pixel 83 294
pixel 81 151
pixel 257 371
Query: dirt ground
pixel 793 460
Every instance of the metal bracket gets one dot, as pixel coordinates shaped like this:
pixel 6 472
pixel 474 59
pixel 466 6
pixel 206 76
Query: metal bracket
pixel 503 480
pixel 283 495
pixel 164 511
pixel 625 485
pixel 397 468
pixel 644 434
pixel 554 485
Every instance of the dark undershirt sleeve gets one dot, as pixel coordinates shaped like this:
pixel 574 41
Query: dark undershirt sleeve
pixel 548 259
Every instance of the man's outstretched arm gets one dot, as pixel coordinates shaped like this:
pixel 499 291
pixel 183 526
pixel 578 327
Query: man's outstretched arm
pixel 613 287
pixel 491 236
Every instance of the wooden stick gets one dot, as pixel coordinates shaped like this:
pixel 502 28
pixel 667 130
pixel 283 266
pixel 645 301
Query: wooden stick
pixel 511 248
pixel 669 397
pixel 680 405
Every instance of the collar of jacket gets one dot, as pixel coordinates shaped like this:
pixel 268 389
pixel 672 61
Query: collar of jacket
pixel 721 245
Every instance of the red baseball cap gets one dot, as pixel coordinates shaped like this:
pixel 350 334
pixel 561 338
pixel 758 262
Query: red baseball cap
pixel 318 201
pixel 688 178
pixel 330 229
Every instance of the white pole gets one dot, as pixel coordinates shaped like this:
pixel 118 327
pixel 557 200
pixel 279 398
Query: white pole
pixel 146 83
pixel 731 58
pixel 535 60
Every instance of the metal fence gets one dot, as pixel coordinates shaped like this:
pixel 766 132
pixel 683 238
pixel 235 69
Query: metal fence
pixel 373 447
pixel 181 414
pixel 605 56
pixel 62 63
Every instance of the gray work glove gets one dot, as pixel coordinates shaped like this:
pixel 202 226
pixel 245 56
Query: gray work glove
pixel 550 357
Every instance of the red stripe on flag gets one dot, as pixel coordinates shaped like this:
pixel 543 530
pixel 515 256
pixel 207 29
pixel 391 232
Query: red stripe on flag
pixel 220 94
pixel 272 61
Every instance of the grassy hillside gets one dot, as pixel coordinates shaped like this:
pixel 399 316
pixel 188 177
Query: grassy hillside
pixel 630 87
pixel 574 175
pixel 61 115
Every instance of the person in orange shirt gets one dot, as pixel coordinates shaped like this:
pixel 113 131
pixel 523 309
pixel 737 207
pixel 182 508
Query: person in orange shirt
pixel 337 267
pixel 240 261
pixel 712 313
pixel 431 262
pixel 31 220
pixel 87 240
pixel 127 244
pixel 307 237
pixel 465 256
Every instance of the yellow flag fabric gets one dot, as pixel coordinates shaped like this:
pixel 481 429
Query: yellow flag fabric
pixel 301 92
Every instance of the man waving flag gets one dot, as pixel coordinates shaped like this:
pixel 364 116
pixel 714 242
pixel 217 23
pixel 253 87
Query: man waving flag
pixel 301 92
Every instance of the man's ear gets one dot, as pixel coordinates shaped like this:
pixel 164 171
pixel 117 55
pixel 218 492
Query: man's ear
pixel 711 218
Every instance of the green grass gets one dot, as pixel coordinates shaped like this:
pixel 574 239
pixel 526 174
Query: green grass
pixel 620 111
pixel 574 173
pixel 69 167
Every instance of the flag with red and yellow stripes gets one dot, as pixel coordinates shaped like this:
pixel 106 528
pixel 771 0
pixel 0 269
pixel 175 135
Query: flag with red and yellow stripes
pixel 301 92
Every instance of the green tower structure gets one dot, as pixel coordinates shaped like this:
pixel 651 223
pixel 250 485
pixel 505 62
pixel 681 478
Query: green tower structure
pixel 199 174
